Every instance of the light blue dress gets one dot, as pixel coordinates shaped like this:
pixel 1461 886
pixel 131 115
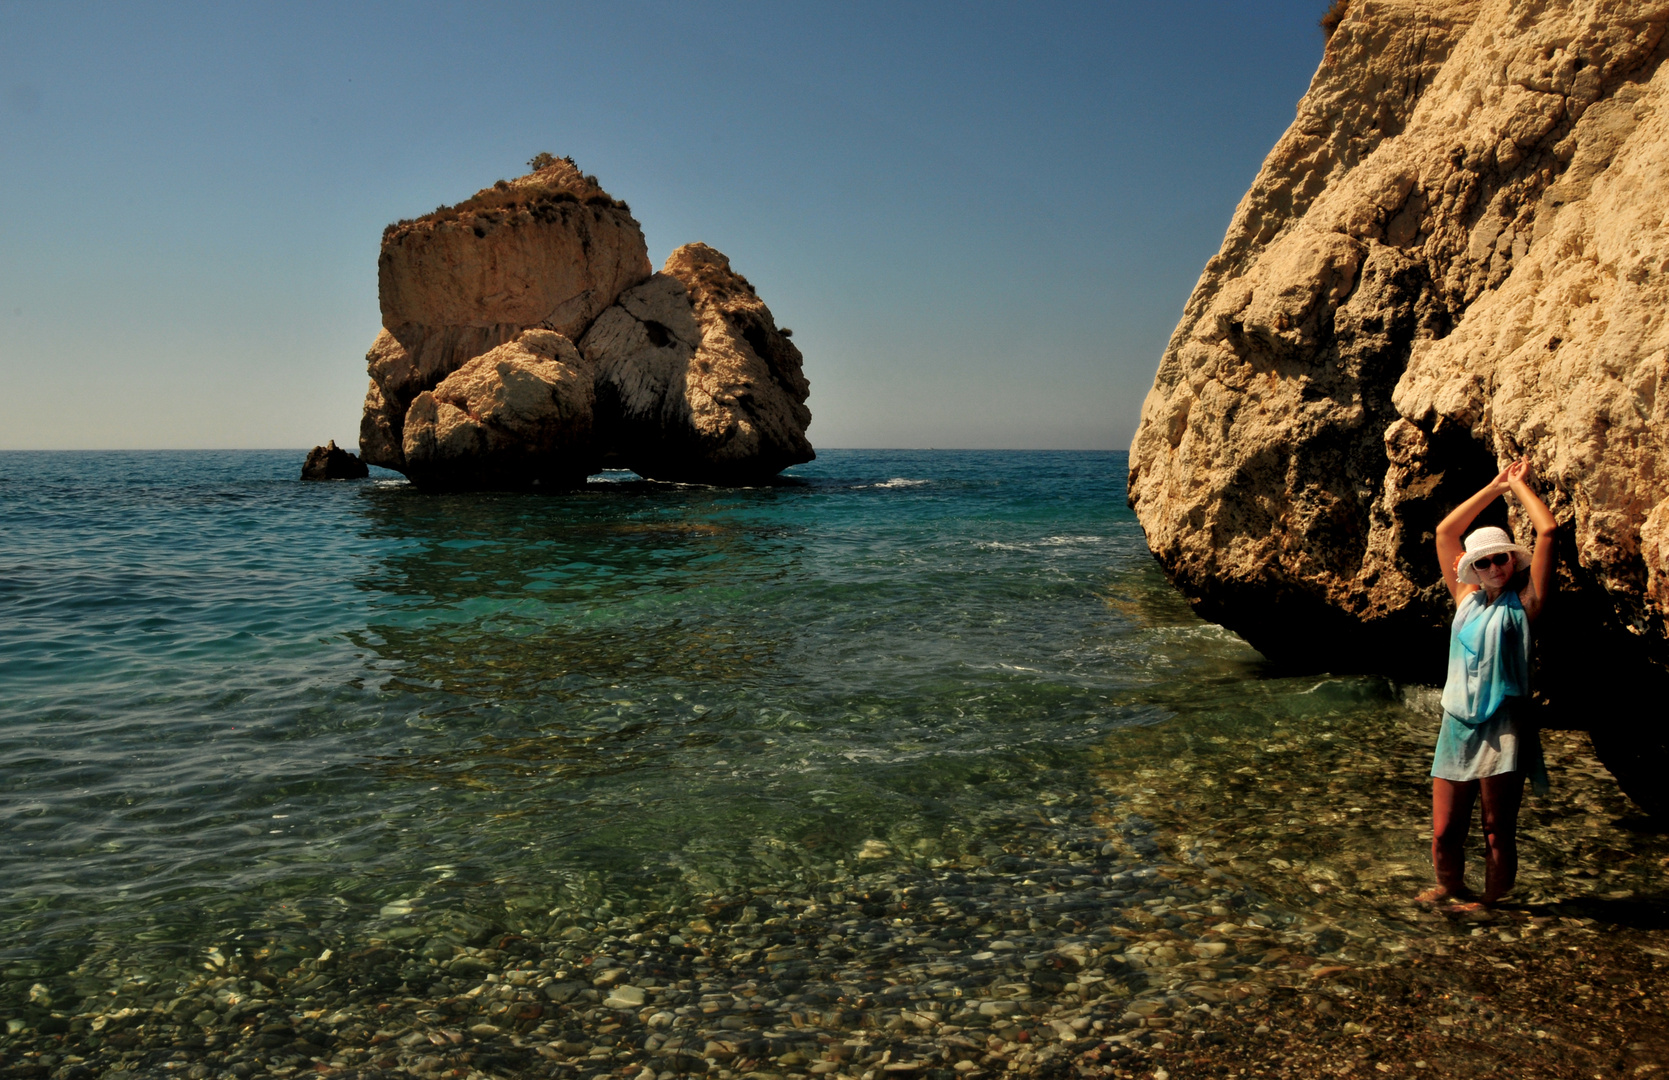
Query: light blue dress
pixel 1485 720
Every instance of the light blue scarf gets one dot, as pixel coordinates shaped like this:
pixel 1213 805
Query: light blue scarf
pixel 1489 657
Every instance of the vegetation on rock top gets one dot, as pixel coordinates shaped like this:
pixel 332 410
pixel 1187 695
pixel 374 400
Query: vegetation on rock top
pixel 1330 20
pixel 553 181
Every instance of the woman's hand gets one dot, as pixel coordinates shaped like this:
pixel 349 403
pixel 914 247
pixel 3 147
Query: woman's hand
pixel 1518 471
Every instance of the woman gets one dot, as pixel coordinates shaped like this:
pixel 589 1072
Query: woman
pixel 1488 745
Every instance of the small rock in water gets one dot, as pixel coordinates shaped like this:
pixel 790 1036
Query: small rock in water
pixel 331 462
pixel 624 997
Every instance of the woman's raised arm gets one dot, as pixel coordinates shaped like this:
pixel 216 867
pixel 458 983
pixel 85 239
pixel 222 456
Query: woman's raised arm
pixel 1542 556
pixel 1453 527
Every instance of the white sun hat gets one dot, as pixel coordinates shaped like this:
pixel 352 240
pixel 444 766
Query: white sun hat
pixel 1482 544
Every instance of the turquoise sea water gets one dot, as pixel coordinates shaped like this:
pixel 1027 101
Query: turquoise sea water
pixel 228 697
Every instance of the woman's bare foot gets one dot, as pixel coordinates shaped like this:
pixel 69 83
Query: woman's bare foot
pixel 1439 894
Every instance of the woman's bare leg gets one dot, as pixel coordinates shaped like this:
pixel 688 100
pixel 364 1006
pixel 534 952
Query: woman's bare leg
pixel 1451 819
pixel 1502 796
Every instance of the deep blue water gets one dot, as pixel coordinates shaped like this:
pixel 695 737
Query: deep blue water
pixel 225 693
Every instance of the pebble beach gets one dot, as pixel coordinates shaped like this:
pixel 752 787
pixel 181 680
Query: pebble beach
pixel 1256 923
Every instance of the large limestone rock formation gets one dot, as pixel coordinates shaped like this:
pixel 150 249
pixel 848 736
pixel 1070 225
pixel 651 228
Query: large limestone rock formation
pixel 476 380
pixel 1456 256
pixel 550 250
pixel 698 381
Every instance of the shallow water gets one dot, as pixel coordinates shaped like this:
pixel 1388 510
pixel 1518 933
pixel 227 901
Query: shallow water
pixel 226 690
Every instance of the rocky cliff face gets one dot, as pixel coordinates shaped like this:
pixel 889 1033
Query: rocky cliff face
pixel 1456 256
pixel 476 380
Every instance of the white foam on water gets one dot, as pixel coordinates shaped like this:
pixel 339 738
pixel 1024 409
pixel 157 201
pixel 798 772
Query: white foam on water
pixel 1045 542
pixel 1202 630
pixel 901 482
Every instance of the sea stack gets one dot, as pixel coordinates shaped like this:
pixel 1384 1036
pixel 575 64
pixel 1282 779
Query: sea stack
pixel 1457 256
pixel 526 341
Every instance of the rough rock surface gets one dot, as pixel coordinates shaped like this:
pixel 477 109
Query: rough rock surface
pixel 518 415
pixel 684 376
pixel 695 379
pixel 550 250
pixel 331 462
pixel 1456 256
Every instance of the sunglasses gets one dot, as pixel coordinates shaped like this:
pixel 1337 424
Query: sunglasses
pixel 1500 558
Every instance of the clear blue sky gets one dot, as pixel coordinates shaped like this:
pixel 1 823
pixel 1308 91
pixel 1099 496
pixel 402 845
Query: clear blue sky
pixel 981 220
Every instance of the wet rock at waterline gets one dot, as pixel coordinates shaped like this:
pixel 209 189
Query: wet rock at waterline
pixel 1455 257
pixel 331 462
pixel 683 375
